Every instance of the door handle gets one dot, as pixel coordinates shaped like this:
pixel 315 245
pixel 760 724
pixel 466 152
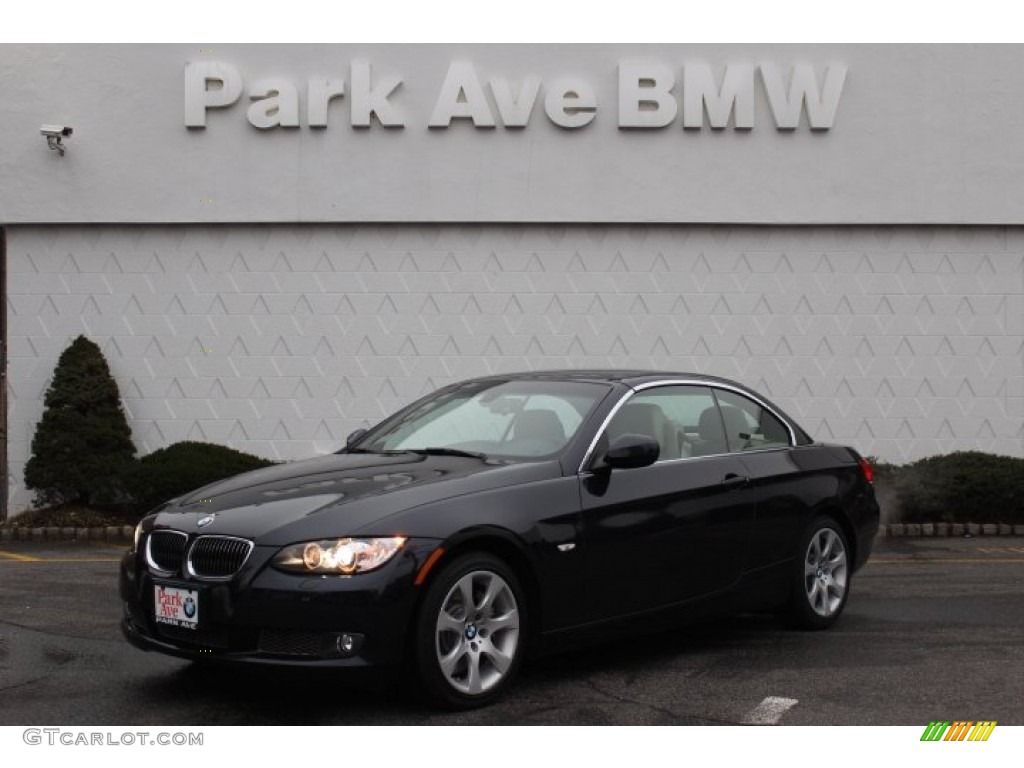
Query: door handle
pixel 733 481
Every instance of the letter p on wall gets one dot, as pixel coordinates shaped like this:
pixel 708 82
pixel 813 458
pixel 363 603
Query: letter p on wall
pixel 199 96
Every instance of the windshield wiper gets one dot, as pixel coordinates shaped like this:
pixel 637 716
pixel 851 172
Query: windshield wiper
pixel 375 453
pixel 431 451
pixel 439 451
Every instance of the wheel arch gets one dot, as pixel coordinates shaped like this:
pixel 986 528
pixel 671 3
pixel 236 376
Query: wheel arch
pixel 504 545
pixel 835 511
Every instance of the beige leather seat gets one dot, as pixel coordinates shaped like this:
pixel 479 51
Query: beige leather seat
pixel 709 430
pixel 737 429
pixel 540 424
pixel 712 436
pixel 646 419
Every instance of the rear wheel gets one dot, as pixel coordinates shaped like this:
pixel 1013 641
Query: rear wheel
pixel 471 632
pixel 821 576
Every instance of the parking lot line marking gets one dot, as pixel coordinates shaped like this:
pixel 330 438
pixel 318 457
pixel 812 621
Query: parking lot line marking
pixel 18 558
pixel 769 711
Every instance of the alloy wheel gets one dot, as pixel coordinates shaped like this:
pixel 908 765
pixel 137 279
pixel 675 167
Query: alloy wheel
pixel 825 572
pixel 477 632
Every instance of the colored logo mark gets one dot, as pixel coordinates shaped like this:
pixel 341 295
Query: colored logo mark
pixel 959 730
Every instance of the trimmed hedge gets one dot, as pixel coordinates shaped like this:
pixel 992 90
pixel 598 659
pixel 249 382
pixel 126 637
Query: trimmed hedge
pixel 961 487
pixel 183 467
pixel 83 447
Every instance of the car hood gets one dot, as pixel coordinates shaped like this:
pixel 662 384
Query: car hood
pixel 337 495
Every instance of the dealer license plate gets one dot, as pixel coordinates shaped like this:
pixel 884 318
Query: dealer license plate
pixel 177 607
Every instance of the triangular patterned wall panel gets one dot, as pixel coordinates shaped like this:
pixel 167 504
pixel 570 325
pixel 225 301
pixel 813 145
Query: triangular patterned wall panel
pixel 280 340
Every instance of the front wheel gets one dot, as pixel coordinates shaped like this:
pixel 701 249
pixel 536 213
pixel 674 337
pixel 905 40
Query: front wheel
pixel 821 576
pixel 471 632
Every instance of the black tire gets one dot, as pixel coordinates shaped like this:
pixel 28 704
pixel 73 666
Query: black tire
pixel 820 576
pixel 491 639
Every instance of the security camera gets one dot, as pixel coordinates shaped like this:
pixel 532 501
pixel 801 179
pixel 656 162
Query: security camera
pixel 54 134
pixel 56 130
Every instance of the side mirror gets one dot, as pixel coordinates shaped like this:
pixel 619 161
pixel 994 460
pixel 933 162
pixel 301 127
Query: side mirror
pixel 630 452
pixel 353 436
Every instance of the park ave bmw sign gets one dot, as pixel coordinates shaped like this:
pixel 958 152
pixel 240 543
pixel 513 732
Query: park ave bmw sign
pixel 651 96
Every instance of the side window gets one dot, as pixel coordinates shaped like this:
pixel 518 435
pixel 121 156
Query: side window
pixel 748 426
pixel 683 419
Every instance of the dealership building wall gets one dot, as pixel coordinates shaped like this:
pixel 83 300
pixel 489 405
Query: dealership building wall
pixel 895 325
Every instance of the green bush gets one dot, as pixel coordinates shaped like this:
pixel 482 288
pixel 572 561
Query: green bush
pixel 967 486
pixel 82 449
pixel 183 467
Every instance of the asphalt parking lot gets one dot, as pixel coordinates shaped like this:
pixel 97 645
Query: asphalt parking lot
pixel 934 629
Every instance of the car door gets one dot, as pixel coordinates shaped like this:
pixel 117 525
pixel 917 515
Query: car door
pixel 672 531
pixel 785 480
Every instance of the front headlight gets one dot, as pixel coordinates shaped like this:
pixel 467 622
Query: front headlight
pixel 152 513
pixel 345 556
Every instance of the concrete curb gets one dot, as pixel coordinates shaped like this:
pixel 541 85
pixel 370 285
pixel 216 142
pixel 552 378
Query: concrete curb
pixel 941 530
pixel 110 533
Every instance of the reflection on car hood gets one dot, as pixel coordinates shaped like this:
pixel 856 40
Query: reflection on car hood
pixel 337 495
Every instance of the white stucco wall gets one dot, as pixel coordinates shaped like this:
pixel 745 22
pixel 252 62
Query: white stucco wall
pixel 279 340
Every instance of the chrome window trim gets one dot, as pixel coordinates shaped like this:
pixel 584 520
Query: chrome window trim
pixel 765 406
pixel 719 455
pixel 149 557
pixel 690 382
pixel 603 427
pixel 188 559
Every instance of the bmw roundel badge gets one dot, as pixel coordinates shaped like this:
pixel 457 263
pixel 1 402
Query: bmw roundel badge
pixel 190 607
pixel 204 521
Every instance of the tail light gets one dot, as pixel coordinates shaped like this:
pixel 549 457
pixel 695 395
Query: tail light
pixel 866 468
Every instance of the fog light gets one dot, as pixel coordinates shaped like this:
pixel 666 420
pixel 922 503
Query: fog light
pixel 343 644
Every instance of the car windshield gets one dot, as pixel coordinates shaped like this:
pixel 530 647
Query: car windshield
pixel 514 420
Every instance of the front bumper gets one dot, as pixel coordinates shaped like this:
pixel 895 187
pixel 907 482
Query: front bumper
pixel 264 616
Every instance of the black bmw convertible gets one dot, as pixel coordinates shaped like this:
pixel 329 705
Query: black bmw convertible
pixel 502 517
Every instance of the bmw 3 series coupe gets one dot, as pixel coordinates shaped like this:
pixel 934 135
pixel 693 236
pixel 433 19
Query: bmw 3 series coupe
pixel 503 517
